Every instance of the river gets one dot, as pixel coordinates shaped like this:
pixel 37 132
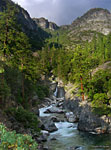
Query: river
pixel 67 137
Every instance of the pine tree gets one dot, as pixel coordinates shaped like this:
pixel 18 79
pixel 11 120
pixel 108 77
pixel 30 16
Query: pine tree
pixel 15 49
pixel 8 28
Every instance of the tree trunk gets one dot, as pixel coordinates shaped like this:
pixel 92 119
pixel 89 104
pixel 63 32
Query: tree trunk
pixel 2 85
pixel 82 88
pixel 23 89
pixel 6 38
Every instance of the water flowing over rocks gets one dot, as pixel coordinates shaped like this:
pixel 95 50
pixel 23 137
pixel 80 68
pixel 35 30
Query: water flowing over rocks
pixel 61 118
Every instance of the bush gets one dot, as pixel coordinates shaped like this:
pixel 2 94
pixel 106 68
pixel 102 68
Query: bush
pixel 27 118
pixel 100 100
pixel 4 91
pixel 100 104
pixel 42 91
pixel 11 140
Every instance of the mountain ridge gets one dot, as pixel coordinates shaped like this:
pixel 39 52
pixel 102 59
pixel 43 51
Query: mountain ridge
pixel 28 26
pixel 45 24
pixel 82 29
pixel 96 19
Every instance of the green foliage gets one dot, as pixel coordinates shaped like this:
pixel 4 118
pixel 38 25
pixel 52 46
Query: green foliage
pixel 70 61
pixel 100 100
pixel 27 118
pixel 18 66
pixel 42 91
pixel 11 140
pixel 72 64
pixel 5 91
pixel 99 83
pixel 99 88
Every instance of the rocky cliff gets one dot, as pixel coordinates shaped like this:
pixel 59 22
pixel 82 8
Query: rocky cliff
pixel 96 19
pixel 45 24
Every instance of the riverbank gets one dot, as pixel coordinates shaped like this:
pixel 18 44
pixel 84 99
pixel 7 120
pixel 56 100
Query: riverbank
pixel 87 120
pixel 62 133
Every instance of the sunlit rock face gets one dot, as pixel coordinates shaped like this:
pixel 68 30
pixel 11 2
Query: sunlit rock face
pixel 45 24
pixel 96 19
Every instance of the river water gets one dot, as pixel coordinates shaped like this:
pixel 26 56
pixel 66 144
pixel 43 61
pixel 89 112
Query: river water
pixel 68 137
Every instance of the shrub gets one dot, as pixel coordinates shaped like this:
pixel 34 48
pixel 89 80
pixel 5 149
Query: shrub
pixel 27 118
pixel 11 140
pixel 100 104
pixel 42 91
pixel 4 91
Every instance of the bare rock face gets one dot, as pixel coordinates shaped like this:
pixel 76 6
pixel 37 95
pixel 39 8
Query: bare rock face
pixel 53 26
pixel 96 19
pixel 45 24
pixel 42 22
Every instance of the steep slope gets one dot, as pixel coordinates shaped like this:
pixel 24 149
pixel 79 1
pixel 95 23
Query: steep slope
pixel 23 16
pixel 35 33
pixel 45 24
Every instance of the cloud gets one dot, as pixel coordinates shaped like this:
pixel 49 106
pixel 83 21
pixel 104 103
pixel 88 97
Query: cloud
pixel 61 11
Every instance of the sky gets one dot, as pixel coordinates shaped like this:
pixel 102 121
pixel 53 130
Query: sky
pixel 62 12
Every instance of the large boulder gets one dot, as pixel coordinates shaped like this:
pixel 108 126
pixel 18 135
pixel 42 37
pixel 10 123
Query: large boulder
pixel 48 124
pixel 44 135
pixel 87 120
pixel 90 122
pixel 74 106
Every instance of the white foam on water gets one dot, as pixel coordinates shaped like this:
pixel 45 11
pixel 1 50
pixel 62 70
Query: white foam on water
pixel 65 129
pixel 42 110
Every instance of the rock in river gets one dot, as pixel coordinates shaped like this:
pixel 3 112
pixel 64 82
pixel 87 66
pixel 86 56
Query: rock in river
pixel 54 110
pixel 49 125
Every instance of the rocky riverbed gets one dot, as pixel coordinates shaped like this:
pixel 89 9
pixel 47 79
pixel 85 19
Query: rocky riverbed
pixel 87 120
pixel 62 123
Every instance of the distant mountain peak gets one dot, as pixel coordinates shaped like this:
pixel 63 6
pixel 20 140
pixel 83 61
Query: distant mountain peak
pixel 96 19
pixel 96 10
pixel 45 24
